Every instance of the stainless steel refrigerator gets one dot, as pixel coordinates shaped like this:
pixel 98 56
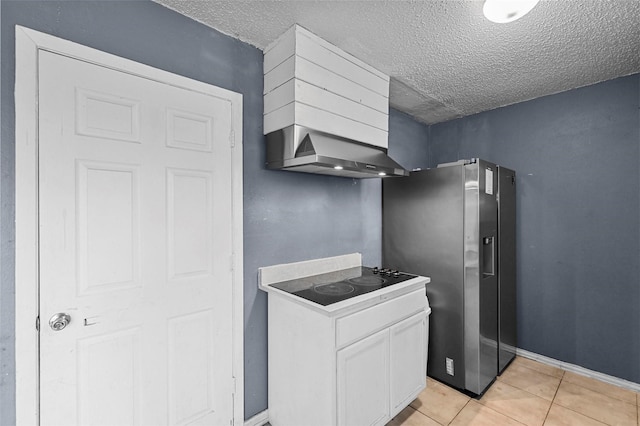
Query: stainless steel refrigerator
pixel 456 224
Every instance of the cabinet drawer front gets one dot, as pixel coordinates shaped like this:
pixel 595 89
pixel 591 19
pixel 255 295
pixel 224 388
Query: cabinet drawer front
pixel 368 321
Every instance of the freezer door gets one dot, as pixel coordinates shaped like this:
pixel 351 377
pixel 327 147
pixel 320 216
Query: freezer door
pixel 480 275
pixel 507 341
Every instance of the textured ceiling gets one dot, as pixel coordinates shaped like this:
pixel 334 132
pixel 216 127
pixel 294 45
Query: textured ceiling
pixel 444 58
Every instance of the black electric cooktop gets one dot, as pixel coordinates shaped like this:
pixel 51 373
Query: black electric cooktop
pixel 336 286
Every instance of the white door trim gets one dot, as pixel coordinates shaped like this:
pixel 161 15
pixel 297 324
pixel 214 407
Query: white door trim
pixel 28 43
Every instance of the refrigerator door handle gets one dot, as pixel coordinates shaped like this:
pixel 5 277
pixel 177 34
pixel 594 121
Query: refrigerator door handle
pixel 488 256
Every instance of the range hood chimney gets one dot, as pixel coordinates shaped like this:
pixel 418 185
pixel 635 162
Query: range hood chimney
pixel 299 149
pixel 325 111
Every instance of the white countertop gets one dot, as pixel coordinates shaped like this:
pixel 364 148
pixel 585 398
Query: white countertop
pixel 267 276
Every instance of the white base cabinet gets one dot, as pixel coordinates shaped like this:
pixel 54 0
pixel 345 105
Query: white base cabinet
pixel 360 366
pixel 363 381
pixel 379 375
pixel 408 364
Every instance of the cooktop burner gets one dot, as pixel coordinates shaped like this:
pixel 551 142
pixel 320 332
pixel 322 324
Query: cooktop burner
pixel 337 286
pixel 368 280
pixel 335 289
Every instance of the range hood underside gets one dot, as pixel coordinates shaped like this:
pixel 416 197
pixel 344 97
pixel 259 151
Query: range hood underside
pixel 302 150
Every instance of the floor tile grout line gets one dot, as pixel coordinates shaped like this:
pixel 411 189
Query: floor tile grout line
pixel 546 416
pixel 458 413
pixel 602 382
pixel 502 414
pixel 600 393
pixel 541 372
pixel 582 387
pixel 558 388
pixel 562 379
pixel 415 410
pixel 425 415
pixel 453 389
pixel 578 412
pixel 582 414
pixel 560 405
pixel 430 418
pixel 531 393
pixel 509 416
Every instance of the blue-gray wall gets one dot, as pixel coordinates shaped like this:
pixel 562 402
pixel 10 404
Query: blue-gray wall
pixel 408 141
pixel 577 157
pixel 287 216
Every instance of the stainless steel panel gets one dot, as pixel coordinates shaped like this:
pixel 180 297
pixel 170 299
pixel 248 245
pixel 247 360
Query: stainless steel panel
pixel 507 340
pixel 423 234
pixel 481 282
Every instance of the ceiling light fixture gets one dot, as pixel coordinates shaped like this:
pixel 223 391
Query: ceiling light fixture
pixel 503 11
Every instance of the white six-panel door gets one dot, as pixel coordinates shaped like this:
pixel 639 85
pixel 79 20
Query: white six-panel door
pixel 135 245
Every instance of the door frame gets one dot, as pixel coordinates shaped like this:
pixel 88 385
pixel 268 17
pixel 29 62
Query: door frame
pixel 28 43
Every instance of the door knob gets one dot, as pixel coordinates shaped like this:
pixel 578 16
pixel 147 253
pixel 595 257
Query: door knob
pixel 59 321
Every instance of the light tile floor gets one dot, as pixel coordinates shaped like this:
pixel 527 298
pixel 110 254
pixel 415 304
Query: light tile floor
pixel 527 393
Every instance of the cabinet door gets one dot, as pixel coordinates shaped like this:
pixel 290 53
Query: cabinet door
pixel 408 360
pixel 363 381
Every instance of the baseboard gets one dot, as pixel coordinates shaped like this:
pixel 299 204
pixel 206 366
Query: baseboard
pixel 259 419
pixel 579 370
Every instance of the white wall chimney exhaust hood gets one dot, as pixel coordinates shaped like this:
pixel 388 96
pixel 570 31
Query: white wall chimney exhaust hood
pixel 325 111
